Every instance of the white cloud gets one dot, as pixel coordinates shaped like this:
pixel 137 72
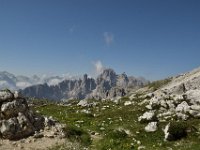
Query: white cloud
pixel 54 81
pixel 22 85
pixel 108 38
pixel 6 84
pixel 98 67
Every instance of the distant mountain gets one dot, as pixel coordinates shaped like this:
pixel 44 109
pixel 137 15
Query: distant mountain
pixel 106 85
pixel 8 80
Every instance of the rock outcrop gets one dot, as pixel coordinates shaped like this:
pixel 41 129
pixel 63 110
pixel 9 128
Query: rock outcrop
pixel 17 120
pixel 108 85
pixel 179 100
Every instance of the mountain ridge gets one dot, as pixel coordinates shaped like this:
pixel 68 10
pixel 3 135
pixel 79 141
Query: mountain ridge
pixel 16 82
pixel 104 86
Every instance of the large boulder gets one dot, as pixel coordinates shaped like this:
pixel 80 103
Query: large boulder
pixel 151 127
pixel 183 107
pixel 17 120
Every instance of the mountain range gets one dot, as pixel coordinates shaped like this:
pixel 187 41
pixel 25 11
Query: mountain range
pixel 107 85
pixel 13 82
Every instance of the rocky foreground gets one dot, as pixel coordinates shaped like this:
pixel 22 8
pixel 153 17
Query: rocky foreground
pixel 19 124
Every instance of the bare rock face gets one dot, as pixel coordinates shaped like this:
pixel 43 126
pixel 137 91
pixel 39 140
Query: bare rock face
pixel 18 121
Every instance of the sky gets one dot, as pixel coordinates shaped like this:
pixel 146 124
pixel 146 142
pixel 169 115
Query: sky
pixel 150 38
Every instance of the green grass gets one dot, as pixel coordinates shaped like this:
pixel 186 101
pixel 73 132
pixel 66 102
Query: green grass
pixel 117 127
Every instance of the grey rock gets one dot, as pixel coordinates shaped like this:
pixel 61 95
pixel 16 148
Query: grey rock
pixel 166 132
pixel 11 109
pixel 183 107
pixel 151 127
pixel 17 121
pixel 141 147
pixel 8 128
pixel 147 116
pixel 17 95
pixel 38 135
pixel 6 95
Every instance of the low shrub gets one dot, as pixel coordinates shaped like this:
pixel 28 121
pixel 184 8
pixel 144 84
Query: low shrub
pixel 77 134
pixel 177 130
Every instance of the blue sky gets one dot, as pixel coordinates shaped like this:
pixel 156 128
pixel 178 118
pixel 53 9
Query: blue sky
pixel 150 38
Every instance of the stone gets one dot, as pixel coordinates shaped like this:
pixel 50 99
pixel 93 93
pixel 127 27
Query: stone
pixel 17 95
pixel 195 107
pixel 83 103
pixel 102 128
pixel 138 142
pixel 177 97
pixel 183 107
pixel 149 95
pixel 148 107
pixel 182 116
pixel 11 109
pixel 8 128
pixel 50 135
pixel 163 103
pixel 151 127
pixel 154 102
pixel 25 127
pixel 194 95
pixel 127 103
pixel 147 116
pixel 194 113
pixel 6 95
pixel 170 104
pixel 141 147
pixel 166 132
pixel 48 122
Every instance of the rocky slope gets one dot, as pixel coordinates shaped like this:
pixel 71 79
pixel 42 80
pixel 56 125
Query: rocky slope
pixel 179 100
pixel 107 85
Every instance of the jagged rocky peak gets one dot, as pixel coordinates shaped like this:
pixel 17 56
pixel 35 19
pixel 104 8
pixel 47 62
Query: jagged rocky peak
pixel 17 120
pixel 85 76
pixel 107 75
pixel 107 82
pixel 122 80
